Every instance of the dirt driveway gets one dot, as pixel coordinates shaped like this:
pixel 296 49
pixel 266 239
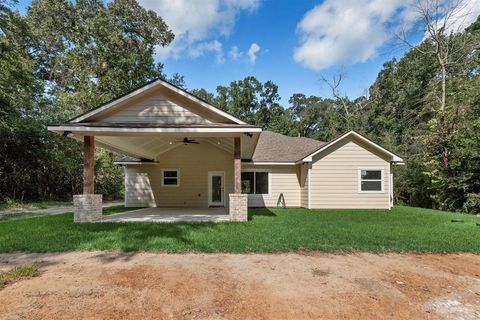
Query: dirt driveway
pixel 111 285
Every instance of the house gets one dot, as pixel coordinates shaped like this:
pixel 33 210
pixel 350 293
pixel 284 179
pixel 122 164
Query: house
pixel 183 152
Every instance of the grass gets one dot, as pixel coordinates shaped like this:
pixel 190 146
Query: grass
pixel 19 273
pixel 13 204
pixel 114 209
pixel 24 215
pixel 269 230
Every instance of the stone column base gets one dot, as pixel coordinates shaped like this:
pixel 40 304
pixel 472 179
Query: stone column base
pixel 87 207
pixel 238 207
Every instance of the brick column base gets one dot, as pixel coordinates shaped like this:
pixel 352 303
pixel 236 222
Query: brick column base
pixel 238 207
pixel 87 207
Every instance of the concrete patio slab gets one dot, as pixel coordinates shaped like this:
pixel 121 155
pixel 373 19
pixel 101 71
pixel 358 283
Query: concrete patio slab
pixel 170 215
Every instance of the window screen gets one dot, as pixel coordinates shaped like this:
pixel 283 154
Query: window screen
pixel 170 178
pixel 255 182
pixel 371 180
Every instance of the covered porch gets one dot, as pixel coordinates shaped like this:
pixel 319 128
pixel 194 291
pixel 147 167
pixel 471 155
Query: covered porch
pixel 189 152
pixel 204 165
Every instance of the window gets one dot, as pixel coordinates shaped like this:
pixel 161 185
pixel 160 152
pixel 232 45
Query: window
pixel 370 180
pixel 255 182
pixel 170 177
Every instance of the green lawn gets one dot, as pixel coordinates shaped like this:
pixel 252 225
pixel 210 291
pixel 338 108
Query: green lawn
pixel 269 230
pixel 32 205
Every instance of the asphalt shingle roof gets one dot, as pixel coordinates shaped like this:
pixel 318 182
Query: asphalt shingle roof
pixel 275 147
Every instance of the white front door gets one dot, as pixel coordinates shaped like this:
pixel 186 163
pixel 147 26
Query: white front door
pixel 216 188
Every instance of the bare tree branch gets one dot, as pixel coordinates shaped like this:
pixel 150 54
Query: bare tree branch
pixel 441 19
pixel 334 85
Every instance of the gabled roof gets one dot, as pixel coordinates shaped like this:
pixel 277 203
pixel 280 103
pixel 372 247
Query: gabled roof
pixel 275 147
pixel 108 106
pixel 394 157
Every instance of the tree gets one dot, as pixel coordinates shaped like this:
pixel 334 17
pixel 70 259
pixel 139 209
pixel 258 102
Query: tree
pixel 307 113
pixel 441 22
pixel 439 145
pixel 241 98
pixel 88 52
pixel 204 95
pixel 178 80
pixel 61 59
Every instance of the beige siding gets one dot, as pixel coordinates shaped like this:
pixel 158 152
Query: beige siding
pixel 334 177
pixel 155 108
pixel 138 187
pixel 283 180
pixel 193 161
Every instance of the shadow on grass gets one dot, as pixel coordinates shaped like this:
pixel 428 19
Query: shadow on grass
pixel 260 212
pixel 116 209
pixel 131 236
pixel 59 233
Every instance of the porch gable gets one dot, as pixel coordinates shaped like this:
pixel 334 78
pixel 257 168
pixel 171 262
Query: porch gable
pixel 158 102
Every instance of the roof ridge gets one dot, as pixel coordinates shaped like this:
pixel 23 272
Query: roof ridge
pixel 297 137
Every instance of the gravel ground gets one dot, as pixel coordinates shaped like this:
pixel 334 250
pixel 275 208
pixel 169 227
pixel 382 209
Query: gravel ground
pixel 115 285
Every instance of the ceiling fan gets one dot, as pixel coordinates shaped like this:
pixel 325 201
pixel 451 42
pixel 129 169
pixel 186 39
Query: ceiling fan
pixel 188 141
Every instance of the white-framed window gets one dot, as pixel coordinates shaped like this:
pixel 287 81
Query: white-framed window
pixel 170 177
pixel 256 182
pixel 370 180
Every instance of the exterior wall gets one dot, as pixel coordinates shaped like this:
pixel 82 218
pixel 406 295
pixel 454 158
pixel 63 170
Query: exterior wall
pixel 155 108
pixel 283 180
pixel 144 184
pixel 334 177
pixel 138 187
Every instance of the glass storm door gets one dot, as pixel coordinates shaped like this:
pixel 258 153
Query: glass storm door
pixel 216 188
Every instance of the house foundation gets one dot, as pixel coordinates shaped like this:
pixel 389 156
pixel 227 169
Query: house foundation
pixel 87 207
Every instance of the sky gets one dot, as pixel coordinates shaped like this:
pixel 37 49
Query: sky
pixel 290 42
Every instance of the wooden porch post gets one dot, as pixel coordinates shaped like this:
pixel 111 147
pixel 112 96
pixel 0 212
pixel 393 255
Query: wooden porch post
pixel 88 164
pixel 238 204
pixel 237 165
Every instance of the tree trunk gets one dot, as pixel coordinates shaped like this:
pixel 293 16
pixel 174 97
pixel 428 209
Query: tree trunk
pixel 444 86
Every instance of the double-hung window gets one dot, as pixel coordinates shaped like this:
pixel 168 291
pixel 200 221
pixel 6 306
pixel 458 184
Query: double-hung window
pixel 370 180
pixel 255 182
pixel 170 177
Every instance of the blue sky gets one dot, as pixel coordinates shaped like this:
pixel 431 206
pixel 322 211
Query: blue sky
pixel 289 42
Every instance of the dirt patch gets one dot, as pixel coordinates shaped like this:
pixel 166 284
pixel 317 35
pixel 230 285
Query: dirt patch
pixel 111 285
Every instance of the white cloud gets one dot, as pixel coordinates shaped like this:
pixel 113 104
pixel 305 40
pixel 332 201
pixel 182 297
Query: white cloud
pixel 252 52
pixel 197 23
pixel 235 53
pixel 463 13
pixel 199 49
pixel 348 32
pixel 344 31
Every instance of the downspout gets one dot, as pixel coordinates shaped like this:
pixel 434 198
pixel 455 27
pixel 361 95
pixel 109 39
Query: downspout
pixel 309 197
pixel 125 186
pixel 391 186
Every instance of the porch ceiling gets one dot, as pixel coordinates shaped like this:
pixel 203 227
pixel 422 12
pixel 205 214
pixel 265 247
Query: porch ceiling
pixel 151 147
